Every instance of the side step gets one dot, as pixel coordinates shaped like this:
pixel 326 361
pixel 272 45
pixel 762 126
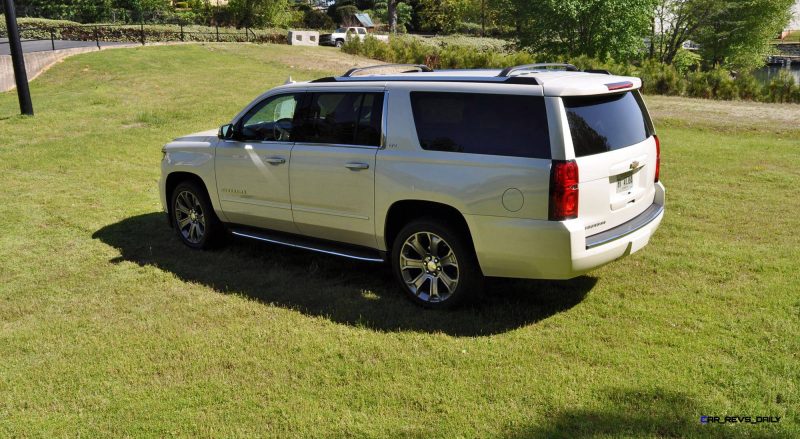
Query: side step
pixel 305 243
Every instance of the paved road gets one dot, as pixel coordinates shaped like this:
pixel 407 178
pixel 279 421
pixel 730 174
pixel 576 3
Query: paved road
pixel 40 46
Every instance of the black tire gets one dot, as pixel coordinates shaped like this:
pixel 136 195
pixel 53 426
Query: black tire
pixel 190 196
pixel 469 278
pixel 339 43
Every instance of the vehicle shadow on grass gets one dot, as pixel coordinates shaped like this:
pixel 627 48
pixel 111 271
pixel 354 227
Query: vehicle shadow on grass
pixel 623 412
pixel 342 290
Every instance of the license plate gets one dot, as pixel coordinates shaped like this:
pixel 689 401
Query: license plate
pixel 625 184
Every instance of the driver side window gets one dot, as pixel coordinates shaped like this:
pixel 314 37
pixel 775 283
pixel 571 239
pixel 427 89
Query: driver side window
pixel 270 120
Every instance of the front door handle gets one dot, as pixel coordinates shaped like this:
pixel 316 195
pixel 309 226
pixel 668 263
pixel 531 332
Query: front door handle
pixel 275 160
pixel 356 166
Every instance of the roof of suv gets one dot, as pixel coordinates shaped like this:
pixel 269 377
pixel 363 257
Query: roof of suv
pixel 568 81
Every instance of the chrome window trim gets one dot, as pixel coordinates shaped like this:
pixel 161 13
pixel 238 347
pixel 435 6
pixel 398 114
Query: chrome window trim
pixel 384 124
pixel 336 145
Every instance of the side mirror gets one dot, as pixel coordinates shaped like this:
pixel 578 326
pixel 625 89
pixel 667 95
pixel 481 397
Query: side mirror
pixel 226 132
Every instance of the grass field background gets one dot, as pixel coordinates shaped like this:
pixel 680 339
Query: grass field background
pixel 109 326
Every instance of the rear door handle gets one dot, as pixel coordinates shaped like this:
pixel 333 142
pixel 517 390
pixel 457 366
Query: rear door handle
pixel 275 160
pixel 356 166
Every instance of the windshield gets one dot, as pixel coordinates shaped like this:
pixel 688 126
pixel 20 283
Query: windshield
pixel 605 123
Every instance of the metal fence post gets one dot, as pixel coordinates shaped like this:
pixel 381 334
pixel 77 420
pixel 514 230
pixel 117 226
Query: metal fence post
pixel 182 37
pixel 53 39
pixel 246 34
pixel 216 23
pixel 141 25
pixel 97 37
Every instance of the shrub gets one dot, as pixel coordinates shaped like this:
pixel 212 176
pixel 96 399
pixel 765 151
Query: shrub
pixel 661 78
pixel 461 52
pixel 698 86
pixel 686 61
pixel 41 29
pixel 748 86
pixel 467 28
pixel 782 88
pixel 722 85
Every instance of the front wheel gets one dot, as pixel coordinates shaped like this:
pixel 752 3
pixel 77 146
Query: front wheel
pixel 339 43
pixel 436 267
pixel 193 217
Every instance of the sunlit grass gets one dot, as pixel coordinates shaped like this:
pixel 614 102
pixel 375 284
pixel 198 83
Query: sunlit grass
pixel 108 326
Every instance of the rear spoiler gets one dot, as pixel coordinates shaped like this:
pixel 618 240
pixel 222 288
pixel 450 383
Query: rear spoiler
pixel 591 85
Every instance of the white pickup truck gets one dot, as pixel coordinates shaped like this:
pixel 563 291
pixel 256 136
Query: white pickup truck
pixel 339 36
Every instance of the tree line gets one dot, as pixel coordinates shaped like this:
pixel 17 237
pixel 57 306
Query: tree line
pixel 735 34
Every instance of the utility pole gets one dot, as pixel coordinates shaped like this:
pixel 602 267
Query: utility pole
pixel 18 60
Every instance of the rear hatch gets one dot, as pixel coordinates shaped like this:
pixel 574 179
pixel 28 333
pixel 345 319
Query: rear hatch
pixel 615 150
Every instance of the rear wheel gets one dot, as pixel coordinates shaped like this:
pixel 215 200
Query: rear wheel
pixel 435 266
pixel 193 217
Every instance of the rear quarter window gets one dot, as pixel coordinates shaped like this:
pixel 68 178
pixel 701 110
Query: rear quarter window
pixel 472 123
pixel 606 123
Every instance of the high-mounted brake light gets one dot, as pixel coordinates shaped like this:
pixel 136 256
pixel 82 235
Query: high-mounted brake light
pixel 619 85
pixel 658 158
pixel 563 190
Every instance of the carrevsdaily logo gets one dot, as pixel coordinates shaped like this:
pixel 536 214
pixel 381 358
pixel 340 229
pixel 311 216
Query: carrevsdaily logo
pixel 738 419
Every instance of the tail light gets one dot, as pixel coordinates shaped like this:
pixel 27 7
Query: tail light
pixel 658 158
pixel 563 190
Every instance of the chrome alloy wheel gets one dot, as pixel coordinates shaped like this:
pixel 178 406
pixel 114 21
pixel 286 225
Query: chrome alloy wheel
pixel 190 217
pixel 429 267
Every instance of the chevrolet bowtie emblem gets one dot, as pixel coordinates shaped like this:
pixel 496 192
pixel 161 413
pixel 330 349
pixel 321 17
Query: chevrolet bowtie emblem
pixel 634 165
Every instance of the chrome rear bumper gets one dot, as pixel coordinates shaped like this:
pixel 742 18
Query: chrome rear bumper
pixel 627 228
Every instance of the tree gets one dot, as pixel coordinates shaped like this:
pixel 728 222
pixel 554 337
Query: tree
pixel 676 21
pixel 738 33
pixel 392 9
pixel 734 33
pixel 442 15
pixel 87 10
pixel 404 13
pixel 259 13
pixel 597 28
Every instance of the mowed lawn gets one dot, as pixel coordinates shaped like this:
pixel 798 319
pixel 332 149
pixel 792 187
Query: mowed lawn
pixel 110 327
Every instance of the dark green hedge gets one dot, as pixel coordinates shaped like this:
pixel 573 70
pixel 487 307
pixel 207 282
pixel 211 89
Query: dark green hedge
pixel 657 78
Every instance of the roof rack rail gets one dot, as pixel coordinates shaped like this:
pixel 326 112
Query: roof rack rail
pixel 419 67
pixel 509 70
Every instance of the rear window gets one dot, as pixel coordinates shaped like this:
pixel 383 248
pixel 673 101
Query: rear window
pixel 600 124
pixel 472 123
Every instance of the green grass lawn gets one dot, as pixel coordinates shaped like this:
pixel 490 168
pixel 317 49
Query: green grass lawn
pixel 110 327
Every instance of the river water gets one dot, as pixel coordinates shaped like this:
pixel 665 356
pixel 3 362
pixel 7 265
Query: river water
pixel 765 74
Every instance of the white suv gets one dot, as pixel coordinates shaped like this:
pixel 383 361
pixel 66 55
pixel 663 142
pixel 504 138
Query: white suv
pixel 536 171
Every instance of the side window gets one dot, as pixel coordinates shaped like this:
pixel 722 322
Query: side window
pixel 362 31
pixel 343 119
pixel 507 125
pixel 270 120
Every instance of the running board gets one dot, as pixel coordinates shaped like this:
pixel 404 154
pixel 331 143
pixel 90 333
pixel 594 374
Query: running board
pixel 301 242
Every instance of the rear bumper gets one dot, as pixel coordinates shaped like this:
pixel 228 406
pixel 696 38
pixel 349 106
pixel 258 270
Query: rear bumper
pixel 537 249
